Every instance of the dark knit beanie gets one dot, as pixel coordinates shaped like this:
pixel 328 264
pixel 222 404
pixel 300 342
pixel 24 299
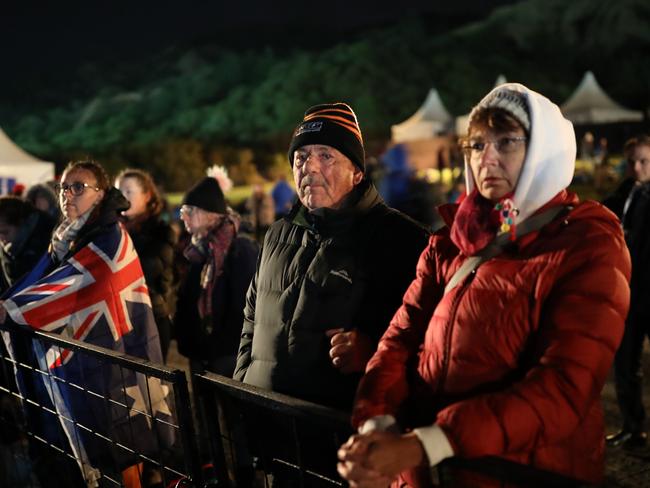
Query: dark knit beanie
pixel 206 195
pixel 332 124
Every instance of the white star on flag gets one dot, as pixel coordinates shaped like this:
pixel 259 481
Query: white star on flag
pixel 157 392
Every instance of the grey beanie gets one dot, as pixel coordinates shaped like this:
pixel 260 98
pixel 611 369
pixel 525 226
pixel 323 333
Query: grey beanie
pixel 511 101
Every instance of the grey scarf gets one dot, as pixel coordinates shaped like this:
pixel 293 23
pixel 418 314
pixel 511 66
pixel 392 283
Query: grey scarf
pixel 66 233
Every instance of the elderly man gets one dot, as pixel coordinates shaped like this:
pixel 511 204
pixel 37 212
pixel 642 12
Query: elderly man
pixel 331 273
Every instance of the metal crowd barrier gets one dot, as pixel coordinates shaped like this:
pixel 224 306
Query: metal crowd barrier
pixel 251 437
pixel 261 438
pixel 137 440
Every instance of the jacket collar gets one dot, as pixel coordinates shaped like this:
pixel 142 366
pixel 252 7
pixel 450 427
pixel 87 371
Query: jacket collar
pixel 328 221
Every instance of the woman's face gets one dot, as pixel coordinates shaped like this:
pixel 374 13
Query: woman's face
pixel 135 194
pixel 78 193
pixel 197 221
pixel 496 159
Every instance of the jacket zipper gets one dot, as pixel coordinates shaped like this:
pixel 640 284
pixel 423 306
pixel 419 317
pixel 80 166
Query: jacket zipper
pixel 450 325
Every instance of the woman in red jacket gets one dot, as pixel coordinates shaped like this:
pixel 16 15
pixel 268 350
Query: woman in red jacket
pixel 499 352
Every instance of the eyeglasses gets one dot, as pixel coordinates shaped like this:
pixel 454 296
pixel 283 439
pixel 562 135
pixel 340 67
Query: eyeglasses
pixel 76 188
pixel 503 145
pixel 188 210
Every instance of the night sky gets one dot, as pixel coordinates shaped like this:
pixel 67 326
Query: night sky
pixel 44 41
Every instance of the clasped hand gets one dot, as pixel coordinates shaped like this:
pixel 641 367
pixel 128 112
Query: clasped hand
pixel 376 458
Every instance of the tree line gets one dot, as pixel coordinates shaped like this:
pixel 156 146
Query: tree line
pixel 214 105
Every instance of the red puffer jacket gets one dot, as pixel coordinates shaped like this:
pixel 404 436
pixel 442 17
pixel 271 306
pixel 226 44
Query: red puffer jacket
pixel 512 361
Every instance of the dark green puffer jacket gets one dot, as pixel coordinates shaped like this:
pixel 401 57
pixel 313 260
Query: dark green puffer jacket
pixel 323 270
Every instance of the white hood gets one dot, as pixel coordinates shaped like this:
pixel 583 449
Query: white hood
pixel 550 158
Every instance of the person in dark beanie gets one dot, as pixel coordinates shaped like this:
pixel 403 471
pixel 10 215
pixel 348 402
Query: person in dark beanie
pixel 331 273
pixel 209 309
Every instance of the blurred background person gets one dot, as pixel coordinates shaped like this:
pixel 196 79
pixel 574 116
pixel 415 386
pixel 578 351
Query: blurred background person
pixel 601 164
pixel 615 201
pixel 283 196
pixel 628 374
pixel 25 235
pixel 210 306
pixel 260 210
pixel 43 197
pixel 154 241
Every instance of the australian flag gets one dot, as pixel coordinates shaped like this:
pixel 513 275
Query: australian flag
pixel 105 415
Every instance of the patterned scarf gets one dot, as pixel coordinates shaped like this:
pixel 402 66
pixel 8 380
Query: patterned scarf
pixel 66 233
pixel 212 251
pixel 476 223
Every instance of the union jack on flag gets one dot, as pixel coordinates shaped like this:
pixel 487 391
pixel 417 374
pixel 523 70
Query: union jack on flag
pixel 97 282
pixel 98 296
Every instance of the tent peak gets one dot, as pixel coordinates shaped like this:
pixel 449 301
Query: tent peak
pixel 430 119
pixel 589 104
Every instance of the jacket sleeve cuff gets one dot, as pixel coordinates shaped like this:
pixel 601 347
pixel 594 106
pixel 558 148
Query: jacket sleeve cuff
pixel 435 443
pixel 378 422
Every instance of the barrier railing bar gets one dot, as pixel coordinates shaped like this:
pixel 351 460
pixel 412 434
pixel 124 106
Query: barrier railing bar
pixel 266 398
pixel 308 471
pixel 131 362
pixel 186 428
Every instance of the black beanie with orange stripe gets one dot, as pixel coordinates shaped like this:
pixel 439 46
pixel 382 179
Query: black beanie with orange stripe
pixel 331 124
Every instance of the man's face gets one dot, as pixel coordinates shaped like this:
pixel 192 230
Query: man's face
pixel 640 159
pixel 323 176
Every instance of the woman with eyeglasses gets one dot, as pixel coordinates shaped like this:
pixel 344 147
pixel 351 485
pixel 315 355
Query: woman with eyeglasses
pixel 221 262
pixel 89 287
pixel 497 357
pixel 155 241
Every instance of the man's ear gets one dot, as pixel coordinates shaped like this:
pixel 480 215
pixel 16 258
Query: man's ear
pixel 357 177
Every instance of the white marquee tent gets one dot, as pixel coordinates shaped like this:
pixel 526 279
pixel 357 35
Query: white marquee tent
pixel 589 104
pixel 18 166
pixel 462 121
pixel 430 119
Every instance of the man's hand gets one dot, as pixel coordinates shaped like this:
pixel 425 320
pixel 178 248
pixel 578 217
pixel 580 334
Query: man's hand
pixel 376 458
pixel 3 312
pixel 350 350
